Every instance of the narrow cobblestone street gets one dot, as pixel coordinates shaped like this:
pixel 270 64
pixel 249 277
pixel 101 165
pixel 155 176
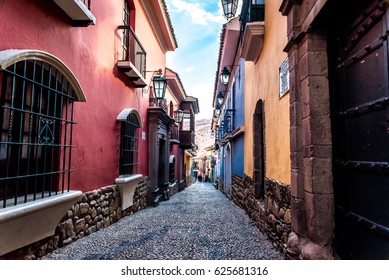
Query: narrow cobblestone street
pixel 199 223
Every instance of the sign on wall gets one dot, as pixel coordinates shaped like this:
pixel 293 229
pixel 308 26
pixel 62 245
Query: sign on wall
pixel 284 78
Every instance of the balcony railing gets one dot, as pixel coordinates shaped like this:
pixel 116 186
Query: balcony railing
pixel 220 131
pixel 228 121
pixel 87 3
pixel 132 59
pixel 217 136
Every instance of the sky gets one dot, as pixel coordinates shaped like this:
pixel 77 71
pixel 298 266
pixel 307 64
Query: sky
pixel 197 25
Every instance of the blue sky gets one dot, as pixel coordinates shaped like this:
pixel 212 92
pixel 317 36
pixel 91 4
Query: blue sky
pixel 197 25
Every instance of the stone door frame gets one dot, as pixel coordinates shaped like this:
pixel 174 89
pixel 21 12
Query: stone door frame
pixel 312 201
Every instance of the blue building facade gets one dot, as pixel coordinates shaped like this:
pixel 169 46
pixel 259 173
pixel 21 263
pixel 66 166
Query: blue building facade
pixel 229 107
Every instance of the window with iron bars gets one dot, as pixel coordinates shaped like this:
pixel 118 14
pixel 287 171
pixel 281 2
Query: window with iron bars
pixel 129 146
pixel 172 169
pixel 36 118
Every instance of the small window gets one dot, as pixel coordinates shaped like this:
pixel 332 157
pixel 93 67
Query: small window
pixel 129 145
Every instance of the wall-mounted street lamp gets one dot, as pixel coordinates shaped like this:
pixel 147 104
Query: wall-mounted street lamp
pixel 178 115
pixel 159 84
pixel 220 98
pixel 229 8
pixel 226 74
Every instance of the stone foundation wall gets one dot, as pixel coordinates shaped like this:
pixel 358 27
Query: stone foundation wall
pixel 220 185
pixel 189 181
pixel 174 188
pixel 95 210
pixel 272 215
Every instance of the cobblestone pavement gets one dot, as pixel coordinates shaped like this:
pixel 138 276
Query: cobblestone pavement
pixel 199 223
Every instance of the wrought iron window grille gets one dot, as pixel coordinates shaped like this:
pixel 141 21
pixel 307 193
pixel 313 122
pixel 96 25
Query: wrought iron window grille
pixel 172 169
pixel 36 118
pixel 129 146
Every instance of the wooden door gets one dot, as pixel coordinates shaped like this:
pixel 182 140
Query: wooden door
pixel 360 121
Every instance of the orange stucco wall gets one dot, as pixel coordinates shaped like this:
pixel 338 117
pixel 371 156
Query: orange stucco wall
pixel 262 82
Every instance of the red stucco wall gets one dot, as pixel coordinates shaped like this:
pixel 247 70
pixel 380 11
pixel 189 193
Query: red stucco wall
pixel 91 54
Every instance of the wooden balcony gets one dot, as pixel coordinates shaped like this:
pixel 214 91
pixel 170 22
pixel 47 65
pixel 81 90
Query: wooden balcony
pixel 187 139
pixel 133 57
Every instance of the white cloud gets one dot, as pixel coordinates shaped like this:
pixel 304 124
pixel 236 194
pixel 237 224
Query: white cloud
pixel 190 69
pixel 196 12
pixel 197 24
pixel 203 92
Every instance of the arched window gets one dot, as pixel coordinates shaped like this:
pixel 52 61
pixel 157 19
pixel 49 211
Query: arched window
pixel 129 142
pixel 36 124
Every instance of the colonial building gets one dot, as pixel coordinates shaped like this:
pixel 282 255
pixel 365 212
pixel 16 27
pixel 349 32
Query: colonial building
pixel 80 115
pixel 253 126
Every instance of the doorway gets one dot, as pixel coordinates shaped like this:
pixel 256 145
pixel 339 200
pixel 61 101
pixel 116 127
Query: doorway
pixel 358 63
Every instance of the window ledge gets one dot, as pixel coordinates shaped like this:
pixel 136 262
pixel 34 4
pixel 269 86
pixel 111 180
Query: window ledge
pixel 127 186
pixel 27 223
pixel 253 41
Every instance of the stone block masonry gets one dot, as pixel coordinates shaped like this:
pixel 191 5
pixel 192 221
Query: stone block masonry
pixel 272 215
pixel 94 210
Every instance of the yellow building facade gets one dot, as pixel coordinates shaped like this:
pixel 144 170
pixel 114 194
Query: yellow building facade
pixel 262 83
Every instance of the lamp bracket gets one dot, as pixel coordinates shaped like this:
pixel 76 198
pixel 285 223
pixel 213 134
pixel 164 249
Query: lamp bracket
pixel 232 67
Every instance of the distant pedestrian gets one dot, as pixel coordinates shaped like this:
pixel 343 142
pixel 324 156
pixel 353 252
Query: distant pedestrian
pixel 206 178
pixel 200 178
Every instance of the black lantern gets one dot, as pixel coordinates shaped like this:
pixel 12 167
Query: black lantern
pixel 229 8
pixel 220 98
pixel 178 115
pixel 225 76
pixel 159 87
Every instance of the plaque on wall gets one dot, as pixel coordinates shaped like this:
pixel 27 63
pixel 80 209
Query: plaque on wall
pixel 284 78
